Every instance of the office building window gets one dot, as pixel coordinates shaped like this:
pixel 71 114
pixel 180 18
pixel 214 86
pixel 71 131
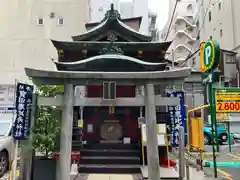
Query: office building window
pixel 40 21
pixel 60 21
pixel 209 16
pixel 210 37
pixel 221 33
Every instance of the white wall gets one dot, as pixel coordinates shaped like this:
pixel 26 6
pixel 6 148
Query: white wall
pixel 126 9
pixel 219 22
pixel 225 19
pixel 140 8
pixel 98 8
pixel 23 43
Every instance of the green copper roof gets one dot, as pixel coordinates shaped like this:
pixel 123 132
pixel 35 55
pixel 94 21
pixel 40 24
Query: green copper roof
pixel 112 23
pixel 110 63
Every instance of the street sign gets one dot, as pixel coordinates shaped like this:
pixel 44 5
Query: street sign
pixel 210 56
pixel 21 126
pixel 208 79
pixel 212 77
pixel 227 100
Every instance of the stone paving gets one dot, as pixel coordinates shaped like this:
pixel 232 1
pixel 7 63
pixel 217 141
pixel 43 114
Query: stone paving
pixel 194 175
pixel 107 177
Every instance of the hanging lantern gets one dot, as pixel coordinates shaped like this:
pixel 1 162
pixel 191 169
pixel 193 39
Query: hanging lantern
pixel 84 52
pixel 111 109
pixel 140 52
pixel 60 53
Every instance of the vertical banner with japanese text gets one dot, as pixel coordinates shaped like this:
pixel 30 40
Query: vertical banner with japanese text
pixel 21 125
pixel 177 117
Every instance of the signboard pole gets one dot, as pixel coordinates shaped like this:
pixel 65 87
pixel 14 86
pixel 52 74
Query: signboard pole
pixel 22 123
pixel 229 137
pixel 181 153
pixel 210 60
pixel 15 160
pixel 213 126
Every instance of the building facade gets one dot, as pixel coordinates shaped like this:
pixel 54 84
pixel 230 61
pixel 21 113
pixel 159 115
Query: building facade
pixel 26 30
pixel 215 25
pixel 183 29
pixel 134 8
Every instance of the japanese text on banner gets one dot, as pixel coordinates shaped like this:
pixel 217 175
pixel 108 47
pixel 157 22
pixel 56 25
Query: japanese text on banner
pixel 177 117
pixel 21 125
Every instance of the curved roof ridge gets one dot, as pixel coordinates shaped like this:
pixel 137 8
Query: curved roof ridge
pixel 112 17
pixel 109 56
pixel 130 29
pixel 93 29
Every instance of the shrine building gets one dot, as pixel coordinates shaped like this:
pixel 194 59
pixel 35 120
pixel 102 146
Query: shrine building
pixel 111 63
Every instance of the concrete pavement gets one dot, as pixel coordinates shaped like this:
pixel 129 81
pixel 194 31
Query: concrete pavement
pixel 108 177
pixel 226 158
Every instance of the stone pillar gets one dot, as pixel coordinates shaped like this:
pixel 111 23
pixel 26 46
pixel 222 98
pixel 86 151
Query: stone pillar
pixel 151 132
pixel 66 132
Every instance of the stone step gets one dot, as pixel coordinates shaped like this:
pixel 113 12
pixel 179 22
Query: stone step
pixel 110 152
pixel 109 160
pixel 109 169
pixel 111 146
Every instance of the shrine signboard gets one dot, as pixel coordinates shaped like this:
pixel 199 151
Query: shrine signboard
pixel 177 117
pixel 21 126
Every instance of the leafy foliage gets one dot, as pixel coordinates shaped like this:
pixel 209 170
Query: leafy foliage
pixel 46 131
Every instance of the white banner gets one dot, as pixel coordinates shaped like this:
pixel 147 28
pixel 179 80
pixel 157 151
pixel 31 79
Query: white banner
pixel 161 134
pixel 7 93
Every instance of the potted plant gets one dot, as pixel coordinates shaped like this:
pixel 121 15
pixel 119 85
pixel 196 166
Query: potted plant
pixel 46 136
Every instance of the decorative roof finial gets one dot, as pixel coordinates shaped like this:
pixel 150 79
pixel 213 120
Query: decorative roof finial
pixel 112 14
pixel 112 7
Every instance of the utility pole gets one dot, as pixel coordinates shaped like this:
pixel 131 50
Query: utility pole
pixel 26 154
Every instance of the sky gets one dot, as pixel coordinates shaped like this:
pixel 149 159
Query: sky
pixel 161 8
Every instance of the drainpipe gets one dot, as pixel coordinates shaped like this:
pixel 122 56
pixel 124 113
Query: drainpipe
pixel 233 22
pixel 173 59
pixel 238 70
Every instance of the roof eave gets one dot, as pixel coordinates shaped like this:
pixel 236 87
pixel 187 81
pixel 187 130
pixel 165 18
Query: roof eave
pixel 65 45
pixel 62 75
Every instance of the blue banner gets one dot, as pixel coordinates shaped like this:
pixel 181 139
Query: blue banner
pixel 21 126
pixel 177 117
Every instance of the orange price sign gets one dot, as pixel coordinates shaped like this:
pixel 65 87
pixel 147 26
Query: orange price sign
pixel 227 107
